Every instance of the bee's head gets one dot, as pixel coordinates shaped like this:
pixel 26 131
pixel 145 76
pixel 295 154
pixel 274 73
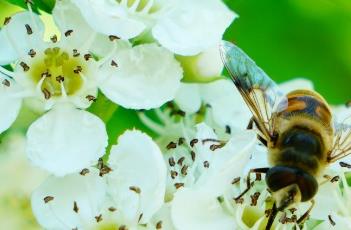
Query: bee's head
pixel 290 185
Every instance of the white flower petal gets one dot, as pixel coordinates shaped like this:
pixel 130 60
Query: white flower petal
pixel 195 209
pixel 68 17
pixel 89 193
pixel 110 18
pixel 228 163
pixel 15 40
pixel 137 161
pixel 147 76
pixel 66 140
pixel 209 62
pixel 190 27
pixel 188 97
pixel 10 104
pixel 228 107
pixel 164 215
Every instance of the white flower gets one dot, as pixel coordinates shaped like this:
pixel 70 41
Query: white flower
pixel 62 77
pixel 126 192
pixel 208 176
pixel 177 25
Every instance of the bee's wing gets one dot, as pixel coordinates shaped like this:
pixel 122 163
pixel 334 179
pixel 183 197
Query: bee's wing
pixel 260 93
pixel 342 140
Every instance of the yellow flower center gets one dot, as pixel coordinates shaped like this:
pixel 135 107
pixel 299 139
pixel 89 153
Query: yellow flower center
pixel 57 69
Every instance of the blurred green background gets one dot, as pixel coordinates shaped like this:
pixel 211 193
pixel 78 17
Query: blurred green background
pixel 288 39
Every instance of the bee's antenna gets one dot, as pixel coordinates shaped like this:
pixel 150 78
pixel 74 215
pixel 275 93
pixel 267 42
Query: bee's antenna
pixel 272 216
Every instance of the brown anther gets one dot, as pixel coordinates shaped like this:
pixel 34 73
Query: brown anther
pixel 159 225
pixel 113 38
pixel 184 170
pixel 239 200
pixel 68 33
pixel 140 216
pixel 178 185
pixel 254 198
pixel 32 53
pixel 293 219
pixel 87 56
pixel 193 155
pixel 215 147
pixel 46 74
pixel 84 172
pixel 104 170
pixel 53 38
pixel 206 164
pixel 181 140
pixel 345 165
pixel 227 129
pixel 100 163
pixel 335 179
pixel 78 69
pixel 135 189
pixel 267 212
pixel 283 219
pixel 75 53
pixel 47 94
pixel 180 161
pixel 235 180
pixel 171 161
pixel 292 210
pixel 91 98
pixel 24 66
pixel 112 209
pixel 6 83
pixel 7 20
pixel 258 177
pixel 98 218
pixel 47 199
pixel 123 227
pixel 193 142
pixel 171 145
pixel 114 64
pixel 332 222
pixel 29 29
pixel 174 174
pixel 60 79
pixel 75 207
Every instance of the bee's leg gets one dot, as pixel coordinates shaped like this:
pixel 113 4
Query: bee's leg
pixel 251 122
pixel 304 217
pixel 248 180
pixel 272 216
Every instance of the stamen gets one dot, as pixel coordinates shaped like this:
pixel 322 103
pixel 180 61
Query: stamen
pixel 29 29
pixel 181 140
pixel 60 79
pixel 140 216
pixel 75 207
pixel 193 142
pixel 151 124
pixel 112 209
pixel 47 94
pixel 47 199
pixel 78 69
pixel 193 155
pixel 159 225
pixel 135 189
pixel 180 161
pixel 206 164
pixel 114 64
pixel 235 180
pixel 63 90
pixel 75 53
pixel 135 5
pixel 7 20
pixel 98 218
pixel 171 145
pixel 87 56
pixel 84 172
pixel 32 53
pixel 24 66
pixel 147 7
pixel 345 165
pixel 53 38
pixel 113 38
pixel 123 227
pixel 184 170
pixel 174 174
pixel 178 185
pixel 91 98
pixel 68 33
pixel 332 222
pixel 171 161
pixel 6 83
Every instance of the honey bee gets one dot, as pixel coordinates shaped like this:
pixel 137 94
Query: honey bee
pixel 297 128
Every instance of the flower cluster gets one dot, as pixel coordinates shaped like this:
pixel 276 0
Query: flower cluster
pixel 161 59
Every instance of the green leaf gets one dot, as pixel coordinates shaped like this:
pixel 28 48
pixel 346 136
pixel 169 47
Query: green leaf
pixel 44 5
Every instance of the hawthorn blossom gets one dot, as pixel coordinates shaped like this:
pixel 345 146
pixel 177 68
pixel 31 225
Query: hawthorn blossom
pixel 176 25
pixel 124 193
pixel 62 77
